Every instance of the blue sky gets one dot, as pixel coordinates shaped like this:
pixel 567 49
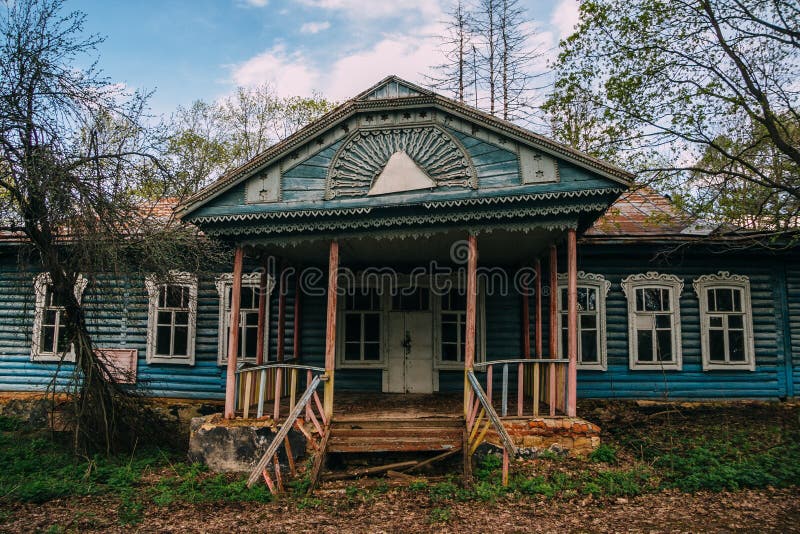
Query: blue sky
pixel 202 49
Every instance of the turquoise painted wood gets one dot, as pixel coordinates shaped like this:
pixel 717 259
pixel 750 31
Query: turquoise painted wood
pixel 792 336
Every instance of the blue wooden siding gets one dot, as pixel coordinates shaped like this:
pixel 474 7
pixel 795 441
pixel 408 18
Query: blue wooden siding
pixel 792 337
pixel 117 317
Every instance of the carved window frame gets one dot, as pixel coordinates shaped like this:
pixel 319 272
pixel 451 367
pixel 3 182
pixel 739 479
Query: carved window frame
pixel 480 325
pixel 40 283
pixel 654 280
pixel 599 283
pixel 383 313
pixel 224 282
pixel 725 280
pixel 153 286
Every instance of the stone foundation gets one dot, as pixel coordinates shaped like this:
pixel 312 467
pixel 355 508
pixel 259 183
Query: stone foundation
pixel 234 446
pixel 562 435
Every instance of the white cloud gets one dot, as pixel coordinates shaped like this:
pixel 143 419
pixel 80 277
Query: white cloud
pixel 289 74
pixel 409 56
pixel 370 9
pixel 254 3
pixel 565 16
pixel 314 27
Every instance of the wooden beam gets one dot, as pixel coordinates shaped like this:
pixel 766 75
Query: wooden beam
pixel 296 325
pixel 553 326
pixel 538 309
pixel 330 330
pixel 262 315
pixel 526 346
pixel 281 345
pixel 572 321
pixel 233 335
pixel 471 319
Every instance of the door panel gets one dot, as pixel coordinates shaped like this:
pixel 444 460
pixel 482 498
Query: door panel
pixel 410 352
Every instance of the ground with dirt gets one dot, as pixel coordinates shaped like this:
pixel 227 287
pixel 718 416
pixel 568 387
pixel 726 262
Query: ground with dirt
pixel 674 467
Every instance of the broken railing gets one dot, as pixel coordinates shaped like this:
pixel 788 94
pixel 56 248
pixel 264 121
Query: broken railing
pixel 265 388
pixel 535 382
pixel 281 438
pixel 480 417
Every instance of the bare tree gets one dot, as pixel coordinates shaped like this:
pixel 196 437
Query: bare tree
pixel 454 75
pixel 76 155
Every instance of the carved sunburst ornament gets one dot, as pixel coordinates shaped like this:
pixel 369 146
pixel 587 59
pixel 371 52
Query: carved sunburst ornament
pixel 363 157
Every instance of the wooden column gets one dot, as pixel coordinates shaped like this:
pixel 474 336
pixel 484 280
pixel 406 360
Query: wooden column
pixel 538 266
pixel 262 315
pixel 330 330
pixel 471 319
pixel 553 386
pixel 572 322
pixel 281 342
pixel 526 347
pixel 296 324
pixel 233 334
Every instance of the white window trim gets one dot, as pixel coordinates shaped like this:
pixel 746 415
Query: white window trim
pixel 152 284
pixel 40 283
pixel 480 330
pixel 385 303
pixel 654 279
pixel 602 286
pixel 723 279
pixel 223 282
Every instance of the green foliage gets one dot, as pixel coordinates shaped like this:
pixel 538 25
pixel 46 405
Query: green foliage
pixel 534 486
pixel 193 484
pixel 489 468
pixel 605 453
pixel 440 515
pixel 9 424
pixel 418 485
pixel 443 491
pixel 616 483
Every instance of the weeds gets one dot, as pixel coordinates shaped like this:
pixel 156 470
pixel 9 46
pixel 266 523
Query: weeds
pixel 440 515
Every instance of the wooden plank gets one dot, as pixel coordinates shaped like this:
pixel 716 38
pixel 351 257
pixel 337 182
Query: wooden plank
pixel 436 458
pixel 472 302
pixel 233 335
pixel 289 456
pixel 330 327
pixel 277 401
pixel 536 389
pixel 538 266
pixel 319 461
pixel 296 318
pixel 262 316
pixel 292 388
pixel 281 342
pixel 505 391
pixel 247 377
pixel 572 321
pixel 261 392
pixel 369 471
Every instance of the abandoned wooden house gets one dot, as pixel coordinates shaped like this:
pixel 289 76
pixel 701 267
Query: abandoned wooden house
pixel 411 274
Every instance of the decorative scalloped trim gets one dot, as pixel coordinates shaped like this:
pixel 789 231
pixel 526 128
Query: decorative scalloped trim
pixel 551 195
pixel 337 212
pixel 415 233
pixel 409 220
pixel 590 277
pixel 720 277
pixel 654 277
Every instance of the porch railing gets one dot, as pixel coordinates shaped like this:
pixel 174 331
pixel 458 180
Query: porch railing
pixel 480 417
pixel 538 381
pixel 267 386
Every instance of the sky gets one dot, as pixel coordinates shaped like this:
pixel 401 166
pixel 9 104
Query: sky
pixel 185 50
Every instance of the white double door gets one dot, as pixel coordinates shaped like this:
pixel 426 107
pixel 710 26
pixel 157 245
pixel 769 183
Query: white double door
pixel 410 352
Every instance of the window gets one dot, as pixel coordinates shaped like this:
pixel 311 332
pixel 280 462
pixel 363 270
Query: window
pixel 49 341
pixel 654 329
pixel 592 291
pixel 172 314
pixel 362 326
pixel 453 325
pixel 726 321
pixel 450 324
pixel 248 317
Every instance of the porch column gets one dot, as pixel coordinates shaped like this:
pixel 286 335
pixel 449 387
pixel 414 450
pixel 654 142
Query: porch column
pixel 233 334
pixel 281 348
pixel 296 323
pixel 330 331
pixel 538 266
pixel 572 322
pixel 526 348
pixel 553 327
pixel 472 302
pixel 262 313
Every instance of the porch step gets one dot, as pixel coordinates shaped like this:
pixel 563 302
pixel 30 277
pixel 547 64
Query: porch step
pixel 395 435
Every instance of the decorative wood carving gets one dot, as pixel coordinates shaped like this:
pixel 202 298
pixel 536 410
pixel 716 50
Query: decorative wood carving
pixel 363 157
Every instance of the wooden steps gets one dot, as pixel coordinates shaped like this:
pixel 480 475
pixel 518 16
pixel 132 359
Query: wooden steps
pixel 395 435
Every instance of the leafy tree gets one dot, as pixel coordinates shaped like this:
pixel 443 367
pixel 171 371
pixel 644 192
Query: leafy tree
pixel 75 150
pixel 709 87
pixel 209 139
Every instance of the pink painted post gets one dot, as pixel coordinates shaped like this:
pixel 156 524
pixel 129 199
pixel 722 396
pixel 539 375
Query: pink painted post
pixel 553 327
pixel 233 335
pixel 472 306
pixel 572 322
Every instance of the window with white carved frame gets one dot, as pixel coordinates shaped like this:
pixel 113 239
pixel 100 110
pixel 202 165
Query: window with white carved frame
pixel 592 291
pixel 248 317
pixel 49 342
pixel 654 328
pixel 362 318
pixel 726 321
pixel 172 316
pixel 450 322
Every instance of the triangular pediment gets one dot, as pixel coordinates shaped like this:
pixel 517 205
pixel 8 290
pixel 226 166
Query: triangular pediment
pixel 400 174
pixel 392 87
